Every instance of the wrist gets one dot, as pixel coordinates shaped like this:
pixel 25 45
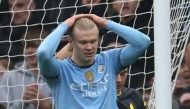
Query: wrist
pixel 105 23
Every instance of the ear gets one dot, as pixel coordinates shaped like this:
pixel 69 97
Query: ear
pixel 70 48
pixel 70 40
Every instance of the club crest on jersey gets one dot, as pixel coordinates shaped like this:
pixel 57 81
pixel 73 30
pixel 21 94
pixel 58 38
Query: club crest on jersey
pixel 89 76
pixel 101 68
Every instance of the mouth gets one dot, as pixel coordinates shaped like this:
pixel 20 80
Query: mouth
pixel 31 57
pixel 119 86
pixel 125 8
pixel 90 54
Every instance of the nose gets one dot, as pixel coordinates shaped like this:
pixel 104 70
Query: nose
pixel 118 79
pixel 15 8
pixel 89 46
pixel 29 50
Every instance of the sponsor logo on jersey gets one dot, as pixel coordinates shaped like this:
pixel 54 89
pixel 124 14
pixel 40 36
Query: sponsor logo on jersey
pixel 101 68
pixel 89 76
pixel 91 89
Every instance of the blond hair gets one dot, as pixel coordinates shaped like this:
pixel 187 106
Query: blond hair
pixel 83 24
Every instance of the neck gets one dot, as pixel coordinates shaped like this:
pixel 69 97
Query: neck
pixel 81 62
pixel 127 19
pixel 34 69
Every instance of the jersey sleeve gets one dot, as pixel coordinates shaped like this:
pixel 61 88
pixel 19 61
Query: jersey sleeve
pixel 48 64
pixel 138 42
pixel 113 59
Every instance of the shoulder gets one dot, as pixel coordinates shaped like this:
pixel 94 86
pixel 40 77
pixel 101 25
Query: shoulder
pixel 65 61
pixel 108 52
pixel 9 76
pixel 134 96
pixel 131 92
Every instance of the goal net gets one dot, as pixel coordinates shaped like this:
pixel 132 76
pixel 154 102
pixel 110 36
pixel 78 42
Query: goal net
pixel 18 17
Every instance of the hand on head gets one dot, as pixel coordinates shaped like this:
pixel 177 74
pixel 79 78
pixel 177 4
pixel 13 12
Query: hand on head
pixel 101 22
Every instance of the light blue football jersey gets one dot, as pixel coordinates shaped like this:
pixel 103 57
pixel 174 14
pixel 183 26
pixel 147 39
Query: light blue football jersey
pixel 72 90
pixel 92 87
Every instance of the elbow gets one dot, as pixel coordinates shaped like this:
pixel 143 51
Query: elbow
pixel 147 42
pixel 41 53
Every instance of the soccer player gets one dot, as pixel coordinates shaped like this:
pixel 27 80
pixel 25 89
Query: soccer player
pixel 87 80
pixel 128 98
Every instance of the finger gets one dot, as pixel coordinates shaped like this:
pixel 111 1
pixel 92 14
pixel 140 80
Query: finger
pixel 186 103
pixel 31 94
pixel 30 101
pixel 79 16
pixel 33 89
pixel 34 86
pixel 90 16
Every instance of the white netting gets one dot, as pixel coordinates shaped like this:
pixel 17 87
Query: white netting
pixel 179 33
pixel 49 13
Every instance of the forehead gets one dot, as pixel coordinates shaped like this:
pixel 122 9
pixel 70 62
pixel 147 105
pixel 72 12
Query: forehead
pixel 19 1
pixel 32 43
pixel 80 34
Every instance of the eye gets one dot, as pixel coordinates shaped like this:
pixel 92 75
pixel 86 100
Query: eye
pixel 122 74
pixel 83 42
pixel 93 41
pixel 187 77
pixel 20 5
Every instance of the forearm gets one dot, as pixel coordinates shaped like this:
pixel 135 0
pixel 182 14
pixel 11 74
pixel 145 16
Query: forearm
pixel 47 50
pixel 138 42
pixel 136 39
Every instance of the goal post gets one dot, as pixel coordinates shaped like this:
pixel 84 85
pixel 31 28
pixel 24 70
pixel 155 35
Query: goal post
pixel 162 52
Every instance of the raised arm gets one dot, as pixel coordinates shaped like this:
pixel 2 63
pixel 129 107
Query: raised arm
pixel 138 42
pixel 48 64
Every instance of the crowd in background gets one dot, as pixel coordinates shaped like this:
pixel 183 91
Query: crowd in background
pixel 25 23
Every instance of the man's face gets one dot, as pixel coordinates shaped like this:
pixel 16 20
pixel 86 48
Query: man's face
pixel 30 52
pixel 125 7
pixel 187 55
pixel 85 44
pixel 121 78
pixel 90 3
pixel 21 10
pixel 184 75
